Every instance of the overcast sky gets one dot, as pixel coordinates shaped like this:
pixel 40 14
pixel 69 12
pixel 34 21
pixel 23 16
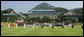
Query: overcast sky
pixel 24 6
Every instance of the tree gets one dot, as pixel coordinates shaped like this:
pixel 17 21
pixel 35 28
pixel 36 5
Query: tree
pixel 27 19
pixel 80 19
pixel 2 15
pixel 52 19
pixel 62 10
pixel 78 10
pixel 46 19
pixel 33 19
pixel 4 12
pixel 69 19
pixel 7 10
pixel 38 19
pixel 57 19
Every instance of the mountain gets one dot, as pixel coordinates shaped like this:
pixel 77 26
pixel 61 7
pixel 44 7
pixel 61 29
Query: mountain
pixel 44 6
pixel 78 10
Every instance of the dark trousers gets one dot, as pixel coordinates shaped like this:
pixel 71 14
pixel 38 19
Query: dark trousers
pixel 52 26
pixel 72 26
pixel 62 26
pixel 42 26
pixel 82 26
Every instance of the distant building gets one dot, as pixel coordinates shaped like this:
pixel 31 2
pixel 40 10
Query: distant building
pixel 73 15
pixel 71 12
pixel 44 9
pixel 13 12
pixel 13 15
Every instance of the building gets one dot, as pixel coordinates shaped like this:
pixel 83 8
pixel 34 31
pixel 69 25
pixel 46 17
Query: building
pixel 13 16
pixel 73 15
pixel 71 12
pixel 44 9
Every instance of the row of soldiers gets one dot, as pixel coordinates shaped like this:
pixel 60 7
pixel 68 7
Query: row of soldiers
pixel 52 25
pixel 61 25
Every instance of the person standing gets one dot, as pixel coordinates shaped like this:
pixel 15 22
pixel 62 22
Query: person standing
pixel 62 25
pixel 82 25
pixel 53 25
pixel 72 26
pixel 1 24
pixel 42 25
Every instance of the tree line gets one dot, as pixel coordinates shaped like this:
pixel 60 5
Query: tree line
pixel 45 18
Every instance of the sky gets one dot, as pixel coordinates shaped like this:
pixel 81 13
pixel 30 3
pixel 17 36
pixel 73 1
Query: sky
pixel 24 6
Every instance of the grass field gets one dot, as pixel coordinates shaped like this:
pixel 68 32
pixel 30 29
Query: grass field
pixel 38 31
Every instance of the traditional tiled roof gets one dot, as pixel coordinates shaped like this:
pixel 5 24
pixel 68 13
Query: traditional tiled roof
pixel 71 13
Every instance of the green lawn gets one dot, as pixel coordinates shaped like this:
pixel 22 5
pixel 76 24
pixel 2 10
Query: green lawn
pixel 46 31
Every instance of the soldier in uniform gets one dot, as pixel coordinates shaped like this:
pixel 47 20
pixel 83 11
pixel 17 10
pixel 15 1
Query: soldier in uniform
pixel 1 24
pixel 72 26
pixel 82 25
pixel 62 25
pixel 42 25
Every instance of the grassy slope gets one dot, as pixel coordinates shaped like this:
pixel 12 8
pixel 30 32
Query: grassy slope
pixel 46 31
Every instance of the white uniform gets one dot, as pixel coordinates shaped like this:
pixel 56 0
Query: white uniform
pixel 1 24
pixel 82 24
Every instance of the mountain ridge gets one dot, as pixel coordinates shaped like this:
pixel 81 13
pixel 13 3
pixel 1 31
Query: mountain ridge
pixel 44 6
